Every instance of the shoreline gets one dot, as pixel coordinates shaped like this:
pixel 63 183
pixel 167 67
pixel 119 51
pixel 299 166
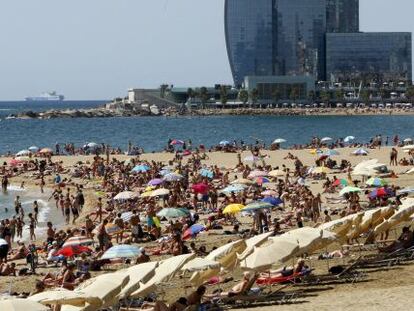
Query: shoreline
pixel 102 112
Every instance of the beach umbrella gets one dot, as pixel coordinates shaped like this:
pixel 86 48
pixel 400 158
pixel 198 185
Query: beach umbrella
pixel 173 177
pixel 257 173
pixel 277 173
pixel 254 206
pixel 233 208
pixel 349 189
pixel 279 141
pixel 252 242
pixel 23 153
pixel 349 139
pixel 138 274
pixel 325 139
pixel 172 213
pixel 406 190
pixel 264 257
pixel 224 143
pixel 33 149
pixel 408 147
pixel 408 140
pixel 126 216
pixel 234 188
pixel 177 142
pixel 380 192
pixel 331 152
pixel 155 182
pixel 73 250
pixel 164 172
pixel 251 159
pixel 376 182
pixel 262 180
pixel 59 297
pixel 19 304
pixel 78 240
pixel 146 194
pixel 163 274
pixel 321 170
pixel 273 201
pixel 269 193
pixel 200 188
pixel 360 151
pixel 142 168
pixel 207 173
pixel 122 251
pixel 241 181
pixel 46 151
pixel 160 192
pixel 125 195
pixel 200 264
pixel 92 145
pixel 342 182
pixel 193 231
pixel 15 162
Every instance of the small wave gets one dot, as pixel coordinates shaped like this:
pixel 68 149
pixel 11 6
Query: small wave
pixel 15 188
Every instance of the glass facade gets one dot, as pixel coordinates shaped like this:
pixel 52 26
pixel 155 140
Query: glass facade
pixel 275 37
pixel 250 37
pixel 342 15
pixel 367 56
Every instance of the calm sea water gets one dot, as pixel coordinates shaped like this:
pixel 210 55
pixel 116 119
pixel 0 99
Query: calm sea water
pixel 152 133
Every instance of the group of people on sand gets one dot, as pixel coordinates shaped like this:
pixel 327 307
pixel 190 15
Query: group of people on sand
pixel 194 188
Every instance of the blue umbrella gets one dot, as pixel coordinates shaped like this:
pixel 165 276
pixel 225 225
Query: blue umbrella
pixel 206 173
pixel 122 251
pixel 273 201
pixel 233 188
pixel 254 206
pixel 141 168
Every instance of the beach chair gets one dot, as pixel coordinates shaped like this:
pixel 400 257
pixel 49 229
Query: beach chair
pixel 348 275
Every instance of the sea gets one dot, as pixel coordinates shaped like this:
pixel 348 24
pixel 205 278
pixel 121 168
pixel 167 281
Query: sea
pixel 152 133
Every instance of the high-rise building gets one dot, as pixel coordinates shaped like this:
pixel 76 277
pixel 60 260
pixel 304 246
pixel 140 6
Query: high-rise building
pixel 378 56
pixel 288 38
pixel 342 16
pixel 275 37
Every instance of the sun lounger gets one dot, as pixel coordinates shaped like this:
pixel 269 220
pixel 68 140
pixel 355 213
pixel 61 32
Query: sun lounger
pixel 294 278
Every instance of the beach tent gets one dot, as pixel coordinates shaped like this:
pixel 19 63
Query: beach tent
pixel 163 273
pixel 264 257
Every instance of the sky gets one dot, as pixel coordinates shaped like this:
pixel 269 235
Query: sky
pixel 97 49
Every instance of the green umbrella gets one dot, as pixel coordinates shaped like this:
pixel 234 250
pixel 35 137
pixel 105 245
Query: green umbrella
pixel 349 189
pixel 254 206
pixel 172 213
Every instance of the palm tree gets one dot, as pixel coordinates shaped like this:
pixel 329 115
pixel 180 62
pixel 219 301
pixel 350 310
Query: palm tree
pixel 254 96
pixel 243 96
pixel 223 95
pixel 203 94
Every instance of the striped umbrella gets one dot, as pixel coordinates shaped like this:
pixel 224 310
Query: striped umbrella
pixel 73 250
pixel 78 240
pixel 122 251
pixel 172 213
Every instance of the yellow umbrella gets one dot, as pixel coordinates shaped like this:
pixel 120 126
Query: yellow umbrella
pixel 233 209
pixel 149 188
pixel 321 170
pixel 146 194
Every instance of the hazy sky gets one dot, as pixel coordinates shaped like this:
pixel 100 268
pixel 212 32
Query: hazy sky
pixel 97 49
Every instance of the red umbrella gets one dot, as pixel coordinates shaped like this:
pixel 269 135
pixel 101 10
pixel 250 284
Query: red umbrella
pixel 200 188
pixel 72 250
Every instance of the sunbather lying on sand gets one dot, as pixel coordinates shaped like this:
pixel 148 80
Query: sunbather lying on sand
pixel 286 271
pixel 179 305
pixel 238 289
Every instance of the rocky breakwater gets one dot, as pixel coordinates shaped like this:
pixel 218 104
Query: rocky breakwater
pixel 79 113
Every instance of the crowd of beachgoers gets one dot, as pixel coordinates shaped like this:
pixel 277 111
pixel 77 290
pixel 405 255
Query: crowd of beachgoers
pixel 217 217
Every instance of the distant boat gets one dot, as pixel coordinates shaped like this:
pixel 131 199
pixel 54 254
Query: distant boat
pixel 48 96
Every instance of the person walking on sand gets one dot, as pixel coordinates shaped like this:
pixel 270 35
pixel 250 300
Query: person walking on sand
pixel 42 184
pixel 35 211
pixel 99 211
pixel 67 206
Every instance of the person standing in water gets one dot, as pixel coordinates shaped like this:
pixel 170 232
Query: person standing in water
pixel 35 211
